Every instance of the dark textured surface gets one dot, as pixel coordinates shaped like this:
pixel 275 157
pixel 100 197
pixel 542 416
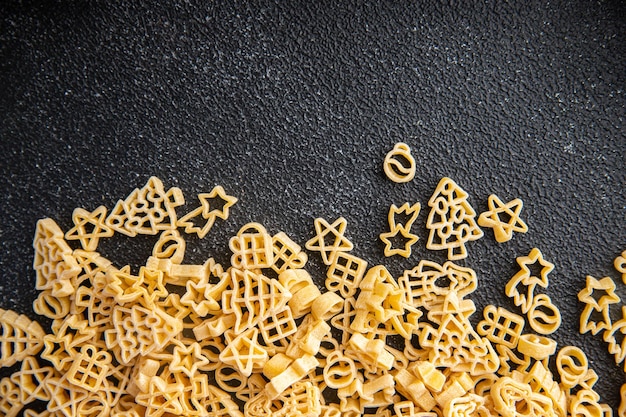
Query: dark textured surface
pixel 292 109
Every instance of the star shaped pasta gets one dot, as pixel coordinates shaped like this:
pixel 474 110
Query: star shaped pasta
pixel 188 358
pixel 400 228
pixel 207 212
pixel 89 227
pixel 335 230
pixel 526 278
pixel 597 296
pixel 409 240
pixel 503 218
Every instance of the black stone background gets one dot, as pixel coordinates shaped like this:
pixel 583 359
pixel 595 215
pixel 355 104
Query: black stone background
pixel 292 108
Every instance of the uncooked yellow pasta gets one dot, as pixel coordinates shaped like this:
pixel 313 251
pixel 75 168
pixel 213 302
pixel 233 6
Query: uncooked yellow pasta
pixel 258 337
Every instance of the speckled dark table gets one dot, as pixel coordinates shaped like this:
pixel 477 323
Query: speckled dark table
pixel 292 108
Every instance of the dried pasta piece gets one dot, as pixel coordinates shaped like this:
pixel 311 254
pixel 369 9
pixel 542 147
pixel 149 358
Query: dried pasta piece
pixel 245 353
pixel 10 404
pixel 138 330
pixel 89 368
pixel 162 398
pixel 409 240
pixel 329 239
pixel 523 298
pixel 64 343
pixel 89 227
pixel 466 406
pixel 55 266
pixel 64 396
pixel 399 165
pixel 30 380
pixel 501 326
pixel 541 381
pixel 219 404
pixel 188 359
pixel 252 247
pixel 572 366
pixel 586 403
pixel 509 396
pixel 345 274
pixel 20 337
pixel 503 228
pixel 536 347
pixel 148 210
pixel 428 283
pixel 326 306
pixel 451 220
pixel 621 412
pixel 170 246
pixel 294 373
pixel 511 360
pixel 620 265
pixel 287 254
pixel 208 213
pixel 544 317
pixel 597 296
pixel 396 227
pixel 453 342
pixel 615 338
pixel 339 371
pixel 51 306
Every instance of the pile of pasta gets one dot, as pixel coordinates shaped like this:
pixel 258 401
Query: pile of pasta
pixel 258 337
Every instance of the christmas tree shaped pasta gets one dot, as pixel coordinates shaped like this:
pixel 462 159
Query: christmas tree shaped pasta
pixel 451 220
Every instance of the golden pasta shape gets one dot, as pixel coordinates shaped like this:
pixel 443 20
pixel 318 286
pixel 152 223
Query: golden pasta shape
pixel 521 286
pixel 544 317
pixel 89 227
pixel 536 347
pixel 345 274
pixel 55 267
pixel 148 210
pixel 620 265
pixel 503 218
pixel 451 220
pixel 399 165
pixel 89 368
pixel 10 404
pixel 501 326
pixel 402 228
pixel 170 246
pixel 20 337
pixel 245 353
pixel 572 366
pixel 252 247
pixel 597 296
pixel 287 254
pixel 615 338
pixel 428 283
pixel 329 239
pixel 31 380
pixel 213 205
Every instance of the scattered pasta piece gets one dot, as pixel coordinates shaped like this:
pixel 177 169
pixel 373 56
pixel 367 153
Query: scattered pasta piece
pixel 404 230
pixel 503 218
pixel 597 296
pixel 208 213
pixel 329 248
pixel 89 227
pixel 19 337
pixel 399 165
pixel 451 220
